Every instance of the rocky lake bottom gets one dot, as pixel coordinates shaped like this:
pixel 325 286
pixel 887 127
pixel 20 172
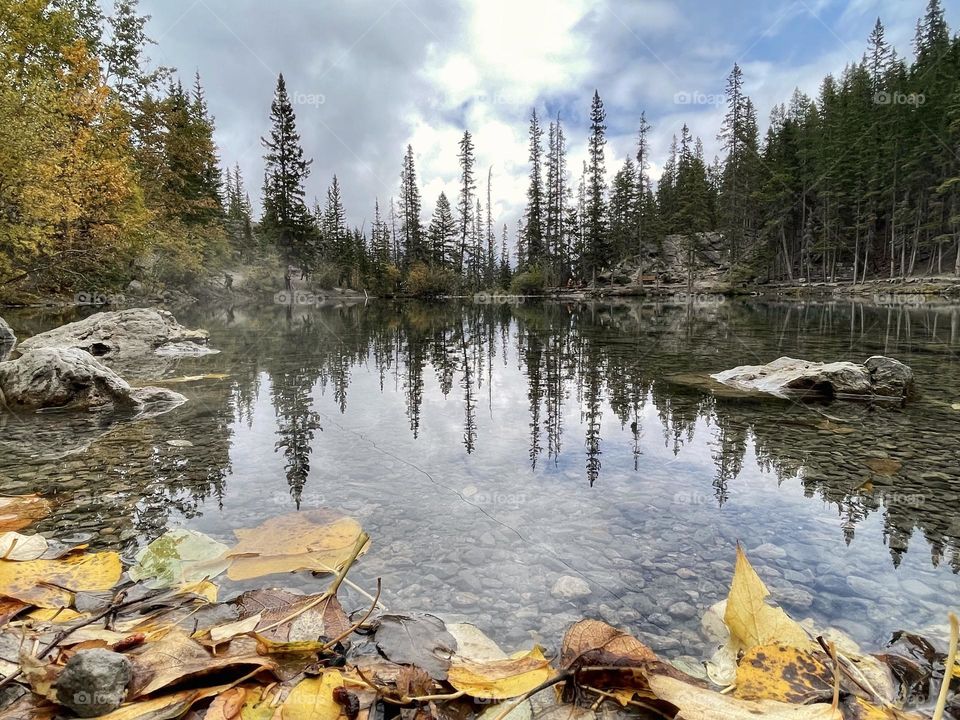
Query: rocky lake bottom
pixel 524 466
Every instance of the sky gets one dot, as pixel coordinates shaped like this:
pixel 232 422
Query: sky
pixel 368 77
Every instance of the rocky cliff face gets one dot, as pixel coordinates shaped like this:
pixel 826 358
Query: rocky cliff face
pixel 669 264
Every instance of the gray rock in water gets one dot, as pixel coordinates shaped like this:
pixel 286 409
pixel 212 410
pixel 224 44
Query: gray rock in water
pixel 94 682
pixel 889 377
pixel 135 287
pixel 568 587
pixel 7 340
pixel 789 377
pixel 68 378
pixel 122 334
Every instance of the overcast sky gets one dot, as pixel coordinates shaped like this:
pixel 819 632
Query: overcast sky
pixel 369 76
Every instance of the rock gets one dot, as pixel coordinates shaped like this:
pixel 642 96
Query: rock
pixel 135 287
pixel 123 334
pixel 7 340
pixel 788 377
pixel 767 551
pixel 889 377
pixel 568 587
pixel 94 682
pixel 682 611
pixel 68 378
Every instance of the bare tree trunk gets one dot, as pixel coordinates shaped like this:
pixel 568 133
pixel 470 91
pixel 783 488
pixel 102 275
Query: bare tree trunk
pixel 789 265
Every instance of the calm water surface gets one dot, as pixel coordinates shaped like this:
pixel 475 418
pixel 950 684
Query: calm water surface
pixel 490 450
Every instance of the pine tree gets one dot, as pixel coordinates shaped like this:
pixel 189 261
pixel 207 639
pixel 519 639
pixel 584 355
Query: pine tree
pixel 597 252
pixel 286 221
pixel 465 203
pixel 411 225
pixel 442 234
pixel 534 215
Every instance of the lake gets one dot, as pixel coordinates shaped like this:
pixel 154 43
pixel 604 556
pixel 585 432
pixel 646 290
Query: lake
pixel 507 457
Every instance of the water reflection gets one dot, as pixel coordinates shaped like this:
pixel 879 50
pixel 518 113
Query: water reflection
pixel 592 381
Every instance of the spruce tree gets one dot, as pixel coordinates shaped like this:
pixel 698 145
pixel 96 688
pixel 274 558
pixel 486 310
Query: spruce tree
pixel 286 221
pixel 534 215
pixel 465 203
pixel 442 233
pixel 411 224
pixel 597 252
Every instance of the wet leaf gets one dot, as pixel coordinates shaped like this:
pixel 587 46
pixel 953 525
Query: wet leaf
pixel 523 711
pixel 312 699
pixel 780 672
pixel 14 546
pixel 227 705
pixel 751 621
pixel 179 557
pixel 176 656
pixel 41 582
pixel 500 679
pixel 417 639
pixel 317 540
pixel 300 617
pixel 592 642
pixel 10 608
pixel 58 615
pixel 473 644
pixel 165 707
pixel 699 703
pixel 19 511
pixel 414 682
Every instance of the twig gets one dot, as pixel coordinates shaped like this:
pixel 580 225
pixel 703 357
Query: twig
pixel 947 669
pixel 354 627
pixel 631 701
pixel 330 591
pixel 836 678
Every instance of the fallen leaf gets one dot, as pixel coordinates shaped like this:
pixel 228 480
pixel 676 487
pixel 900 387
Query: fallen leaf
pixel 417 639
pixel 592 642
pixel 751 621
pixel 10 608
pixel 164 707
pixel 14 546
pixel 18 511
pixel 41 582
pixel 42 676
pixel 177 656
pixel 698 703
pixel 414 682
pixel 312 699
pixel 500 679
pixel 221 633
pixel 473 644
pixel 780 672
pixel 60 615
pixel 203 589
pixel 317 540
pixel 179 557
pixel 227 705
pixel 291 617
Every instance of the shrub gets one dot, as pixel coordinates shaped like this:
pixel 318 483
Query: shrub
pixel 529 282
pixel 430 280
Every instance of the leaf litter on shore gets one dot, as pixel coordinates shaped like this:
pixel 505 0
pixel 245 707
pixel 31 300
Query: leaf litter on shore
pixel 277 654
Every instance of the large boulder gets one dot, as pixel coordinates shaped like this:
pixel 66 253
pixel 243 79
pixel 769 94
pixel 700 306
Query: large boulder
pixel 7 340
pixel 72 379
pixel 124 335
pixel 788 377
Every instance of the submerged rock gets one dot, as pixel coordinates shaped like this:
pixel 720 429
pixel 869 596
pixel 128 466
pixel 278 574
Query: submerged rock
pixel 788 377
pixel 568 587
pixel 72 379
pixel 94 682
pixel 124 334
